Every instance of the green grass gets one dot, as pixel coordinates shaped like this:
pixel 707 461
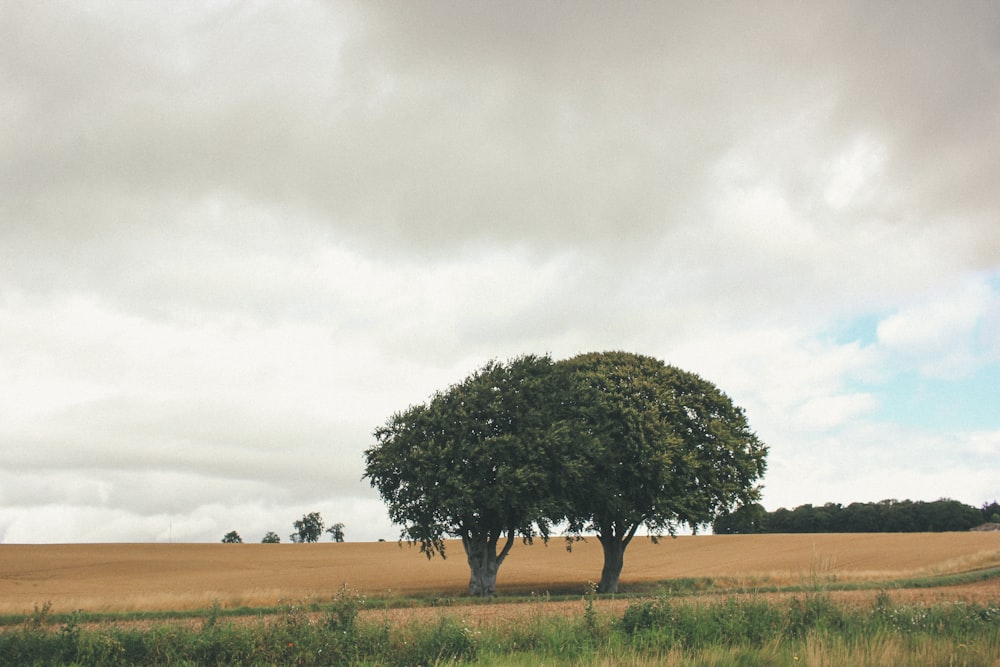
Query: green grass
pixel 708 586
pixel 688 586
pixel 668 630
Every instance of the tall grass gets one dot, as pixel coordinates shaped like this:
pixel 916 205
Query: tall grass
pixel 807 630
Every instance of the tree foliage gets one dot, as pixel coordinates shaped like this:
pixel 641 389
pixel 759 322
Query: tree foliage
pixel 271 538
pixel 991 512
pixel 308 529
pixel 336 532
pixel 885 516
pixel 473 463
pixel 653 447
pixel 744 520
pixel 232 537
pixel 606 442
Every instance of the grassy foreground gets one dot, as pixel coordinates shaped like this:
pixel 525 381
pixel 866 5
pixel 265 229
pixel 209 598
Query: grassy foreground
pixel 807 630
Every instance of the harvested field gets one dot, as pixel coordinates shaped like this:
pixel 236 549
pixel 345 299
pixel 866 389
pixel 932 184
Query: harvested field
pixel 123 577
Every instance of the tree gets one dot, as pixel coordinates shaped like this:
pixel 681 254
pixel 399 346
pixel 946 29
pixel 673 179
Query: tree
pixel 473 463
pixel 308 529
pixel 991 512
pixel 232 537
pixel 271 538
pixel 653 446
pixel 947 514
pixel 745 520
pixel 336 532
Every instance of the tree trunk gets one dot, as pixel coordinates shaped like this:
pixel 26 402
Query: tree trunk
pixel 481 553
pixel 614 559
pixel 483 567
pixel 614 537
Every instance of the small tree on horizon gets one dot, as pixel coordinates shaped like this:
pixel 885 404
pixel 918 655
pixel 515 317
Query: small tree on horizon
pixel 232 537
pixel 336 532
pixel 271 538
pixel 308 529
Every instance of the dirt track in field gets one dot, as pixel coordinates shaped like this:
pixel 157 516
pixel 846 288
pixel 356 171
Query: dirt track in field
pixel 122 577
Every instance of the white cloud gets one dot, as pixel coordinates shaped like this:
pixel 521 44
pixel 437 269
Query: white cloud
pixel 854 175
pixel 828 412
pixel 940 332
pixel 871 461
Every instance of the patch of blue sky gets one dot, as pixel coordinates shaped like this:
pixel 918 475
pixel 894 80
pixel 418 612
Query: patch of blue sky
pixel 993 278
pixel 862 329
pixel 969 404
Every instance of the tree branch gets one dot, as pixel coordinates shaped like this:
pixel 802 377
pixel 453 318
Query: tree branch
pixel 506 546
pixel 631 533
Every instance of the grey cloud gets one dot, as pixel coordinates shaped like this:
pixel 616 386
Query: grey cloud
pixel 440 124
pixel 242 443
pixel 234 237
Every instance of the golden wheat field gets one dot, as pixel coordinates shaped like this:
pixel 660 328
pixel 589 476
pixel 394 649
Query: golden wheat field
pixel 123 577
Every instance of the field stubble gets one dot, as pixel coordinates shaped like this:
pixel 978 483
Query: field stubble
pixel 152 577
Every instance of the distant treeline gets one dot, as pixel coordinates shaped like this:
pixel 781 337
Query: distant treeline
pixel 886 516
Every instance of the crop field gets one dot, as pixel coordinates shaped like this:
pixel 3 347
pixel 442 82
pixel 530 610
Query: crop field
pixel 141 577
pixel 905 600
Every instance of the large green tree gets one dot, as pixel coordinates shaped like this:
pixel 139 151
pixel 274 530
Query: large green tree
pixel 654 447
pixel 473 463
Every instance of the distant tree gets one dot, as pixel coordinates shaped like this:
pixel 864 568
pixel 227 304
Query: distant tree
pixel 336 532
pixel 232 537
pixel 652 446
pixel 745 520
pixel 803 519
pixel 885 516
pixel 863 518
pixel 991 512
pixel 947 514
pixel 898 516
pixel 308 529
pixel 779 520
pixel 271 538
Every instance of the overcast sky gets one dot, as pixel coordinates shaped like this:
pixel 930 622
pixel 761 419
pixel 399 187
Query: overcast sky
pixel 235 237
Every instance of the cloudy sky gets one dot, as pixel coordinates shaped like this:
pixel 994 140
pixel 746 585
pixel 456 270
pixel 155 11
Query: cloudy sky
pixel 235 237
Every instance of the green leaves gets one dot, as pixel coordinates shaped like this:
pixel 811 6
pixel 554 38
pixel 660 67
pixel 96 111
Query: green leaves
pixel 660 446
pixel 471 461
pixel 603 441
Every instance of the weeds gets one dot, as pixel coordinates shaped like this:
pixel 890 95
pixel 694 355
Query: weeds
pixel 213 615
pixel 589 614
pixel 39 617
pixel 663 630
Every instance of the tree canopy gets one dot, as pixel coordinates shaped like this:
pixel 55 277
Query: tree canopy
pixel 308 529
pixel 336 532
pixel 473 463
pixel 886 516
pixel 606 442
pixel 653 446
